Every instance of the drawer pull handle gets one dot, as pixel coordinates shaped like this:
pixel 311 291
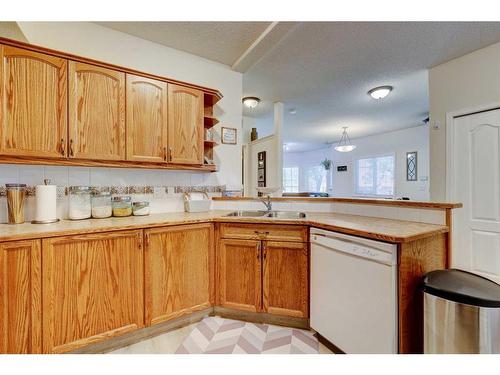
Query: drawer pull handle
pixel 261 233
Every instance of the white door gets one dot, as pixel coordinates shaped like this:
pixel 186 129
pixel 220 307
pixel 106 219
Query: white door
pixel 475 181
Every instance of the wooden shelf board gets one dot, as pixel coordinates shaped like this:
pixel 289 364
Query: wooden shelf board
pixel 211 98
pixel 210 143
pixel 210 121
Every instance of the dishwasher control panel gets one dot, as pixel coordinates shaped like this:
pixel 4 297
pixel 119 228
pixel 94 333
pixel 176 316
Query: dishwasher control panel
pixel 350 245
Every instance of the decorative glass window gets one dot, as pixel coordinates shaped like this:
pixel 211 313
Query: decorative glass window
pixel 291 179
pixel 375 176
pixel 411 166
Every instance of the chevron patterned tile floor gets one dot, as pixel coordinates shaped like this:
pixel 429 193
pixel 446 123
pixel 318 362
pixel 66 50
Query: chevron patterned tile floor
pixel 219 335
pixel 215 335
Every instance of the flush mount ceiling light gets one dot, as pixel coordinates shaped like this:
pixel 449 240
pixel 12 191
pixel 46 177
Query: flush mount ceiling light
pixel 344 144
pixel 286 147
pixel 380 92
pixel 251 101
pixel 292 111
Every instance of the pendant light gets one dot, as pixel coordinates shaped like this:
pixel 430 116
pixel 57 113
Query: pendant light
pixel 345 144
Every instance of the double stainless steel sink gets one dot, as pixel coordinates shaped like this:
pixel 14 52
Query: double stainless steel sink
pixel 275 214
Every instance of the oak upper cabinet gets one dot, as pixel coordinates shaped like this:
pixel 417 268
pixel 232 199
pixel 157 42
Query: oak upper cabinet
pixel 185 125
pixel 92 288
pixel 33 99
pixel 240 274
pixel 146 119
pixel 96 112
pixel 179 271
pixel 285 278
pixel 20 297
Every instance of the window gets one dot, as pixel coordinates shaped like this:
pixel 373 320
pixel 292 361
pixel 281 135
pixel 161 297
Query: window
pixel 316 179
pixel 291 180
pixel 375 176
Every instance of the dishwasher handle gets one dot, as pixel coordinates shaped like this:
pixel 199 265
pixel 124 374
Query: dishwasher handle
pixel 355 249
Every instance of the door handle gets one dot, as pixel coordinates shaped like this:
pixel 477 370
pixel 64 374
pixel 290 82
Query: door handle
pixel 71 153
pixel 170 154
pixel 165 153
pixel 63 151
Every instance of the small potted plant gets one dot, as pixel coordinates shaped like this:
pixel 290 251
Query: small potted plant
pixel 327 164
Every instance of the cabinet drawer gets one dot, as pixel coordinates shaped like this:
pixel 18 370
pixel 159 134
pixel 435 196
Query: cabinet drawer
pixel 274 232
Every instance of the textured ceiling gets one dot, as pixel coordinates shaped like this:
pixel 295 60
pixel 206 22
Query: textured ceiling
pixel 223 42
pixel 325 69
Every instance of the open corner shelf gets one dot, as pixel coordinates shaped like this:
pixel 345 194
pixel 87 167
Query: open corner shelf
pixel 208 143
pixel 209 121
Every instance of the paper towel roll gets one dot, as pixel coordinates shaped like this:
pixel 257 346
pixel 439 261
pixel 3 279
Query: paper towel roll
pixel 46 203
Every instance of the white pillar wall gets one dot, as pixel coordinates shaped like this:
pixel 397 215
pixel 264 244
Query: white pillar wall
pixel 278 128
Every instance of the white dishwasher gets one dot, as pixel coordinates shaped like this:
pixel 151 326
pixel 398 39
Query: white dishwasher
pixel 354 292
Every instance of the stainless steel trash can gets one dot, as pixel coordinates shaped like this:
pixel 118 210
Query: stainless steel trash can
pixel 461 313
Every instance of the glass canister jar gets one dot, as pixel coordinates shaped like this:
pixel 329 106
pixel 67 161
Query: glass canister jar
pixel 101 205
pixel 80 206
pixel 140 208
pixel 16 194
pixel 122 206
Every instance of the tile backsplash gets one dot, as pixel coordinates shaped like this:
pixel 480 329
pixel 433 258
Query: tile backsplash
pixel 162 188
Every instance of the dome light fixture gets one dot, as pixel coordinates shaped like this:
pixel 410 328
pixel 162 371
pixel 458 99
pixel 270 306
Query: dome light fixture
pixel 380 92
pixel 345 144
pixel 251 101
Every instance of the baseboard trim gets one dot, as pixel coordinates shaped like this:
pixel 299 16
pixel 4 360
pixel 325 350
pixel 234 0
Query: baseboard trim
pixel 329 344
pixel 263 318
pixel 143 333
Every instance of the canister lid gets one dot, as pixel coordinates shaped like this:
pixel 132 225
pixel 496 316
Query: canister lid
pixel 140 204
pixel 79 189
pixel 462 287
pixel 18 186
pixel 122 199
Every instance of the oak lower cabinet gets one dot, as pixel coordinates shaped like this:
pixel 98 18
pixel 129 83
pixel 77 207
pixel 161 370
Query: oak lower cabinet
pixel 179 271
pixel 260 274
pixel 20 297
pixel 185 125
pixel 33 99
pixel 240 274
pixel 96 112
pixel 285 278
pixel 92 288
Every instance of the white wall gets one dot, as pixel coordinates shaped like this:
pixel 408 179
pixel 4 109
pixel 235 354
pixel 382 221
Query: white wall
pixel 464 83
pixel 399 142
pixel 267 144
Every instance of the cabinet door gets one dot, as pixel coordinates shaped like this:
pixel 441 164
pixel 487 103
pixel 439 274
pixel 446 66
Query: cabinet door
pixel 33 99
pixel 286 280
pixel 185 125
pixel 179 271
pixel 20 297
pixel 240 274
pixel 92 288
pixel 146 119
pixel 96 112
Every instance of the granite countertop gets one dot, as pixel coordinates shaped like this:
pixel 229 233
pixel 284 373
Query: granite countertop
pixel 395 231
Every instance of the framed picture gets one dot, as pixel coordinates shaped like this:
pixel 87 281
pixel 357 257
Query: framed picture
pixel 228 136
